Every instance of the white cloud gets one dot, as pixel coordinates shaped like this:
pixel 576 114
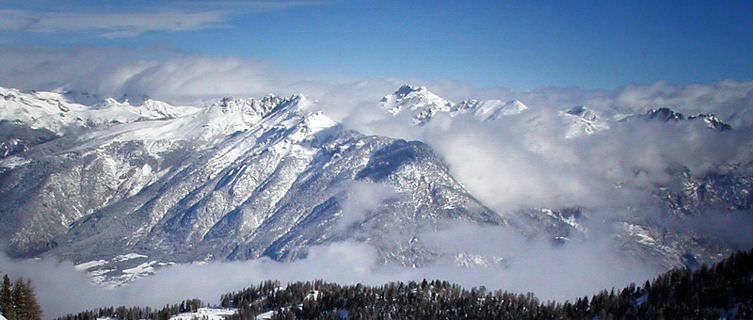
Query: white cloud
pixel 577 269
pixel 172 17
pixel 359 198
pixel 111 25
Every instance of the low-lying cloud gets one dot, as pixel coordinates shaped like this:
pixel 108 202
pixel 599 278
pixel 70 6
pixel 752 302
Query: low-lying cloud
pixel 577 269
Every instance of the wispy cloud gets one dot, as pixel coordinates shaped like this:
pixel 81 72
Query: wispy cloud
pixel 187 16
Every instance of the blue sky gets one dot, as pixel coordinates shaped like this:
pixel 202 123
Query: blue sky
pixel 521 45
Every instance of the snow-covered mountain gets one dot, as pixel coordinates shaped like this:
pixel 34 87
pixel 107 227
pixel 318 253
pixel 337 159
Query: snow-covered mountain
pixel 683 194
pixel 123 189
pixel 581 120
pixel 236 179
pixel 668 115
pixel 422 104
pixel 488 110
pixel 56 112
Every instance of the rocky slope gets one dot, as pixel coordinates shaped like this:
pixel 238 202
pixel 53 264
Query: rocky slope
pixel 123 189
pixel 238 179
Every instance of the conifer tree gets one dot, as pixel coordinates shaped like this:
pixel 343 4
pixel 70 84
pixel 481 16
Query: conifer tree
pixel 29 306
pixel 6 299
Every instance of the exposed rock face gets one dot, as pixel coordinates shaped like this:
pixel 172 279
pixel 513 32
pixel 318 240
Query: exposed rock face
pixel 122 189
pixel 239 179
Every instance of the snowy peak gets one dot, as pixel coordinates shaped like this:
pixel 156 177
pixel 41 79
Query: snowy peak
pixel 421 103
pixel 668 115
pixel 57 111
pixel 664 114
pixel 513 107
pixel 407 89
pixel 247 110
pixel 581 120
pixel 256 107
pixel 230 115
pixel 584 113
pixel 491 110
pixel 712 121
pixel 488 110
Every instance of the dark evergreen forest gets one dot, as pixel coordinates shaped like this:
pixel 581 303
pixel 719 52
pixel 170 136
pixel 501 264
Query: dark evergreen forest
pixel 724 290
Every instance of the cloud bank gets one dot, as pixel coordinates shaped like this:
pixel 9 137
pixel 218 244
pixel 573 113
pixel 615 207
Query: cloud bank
pixel 178 16
pixel 529 266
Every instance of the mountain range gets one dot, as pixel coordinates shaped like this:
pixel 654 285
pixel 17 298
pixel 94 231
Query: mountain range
pixel 121 188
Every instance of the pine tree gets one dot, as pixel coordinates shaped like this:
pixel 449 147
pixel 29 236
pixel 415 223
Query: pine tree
pixel 6 299
pixel 24 301
pixel 30 308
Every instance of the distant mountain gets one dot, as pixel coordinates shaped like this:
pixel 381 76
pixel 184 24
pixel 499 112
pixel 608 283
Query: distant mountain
pixel 58 112
pixel 422 105
pixel 418 101
pixel 685 194
pixel 669 115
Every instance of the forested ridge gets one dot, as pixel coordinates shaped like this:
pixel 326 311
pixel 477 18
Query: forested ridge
pixel 724 290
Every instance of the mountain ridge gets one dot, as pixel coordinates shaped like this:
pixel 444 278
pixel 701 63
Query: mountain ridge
pixel 243 178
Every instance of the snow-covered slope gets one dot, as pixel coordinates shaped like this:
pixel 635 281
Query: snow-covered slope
pixel 721 190
pixel 206 314
pixel 669 115
pixel 581 121
pixel 421 103
pixel 56 112
pixel 134 188
pixel 488 110
pixel 237 179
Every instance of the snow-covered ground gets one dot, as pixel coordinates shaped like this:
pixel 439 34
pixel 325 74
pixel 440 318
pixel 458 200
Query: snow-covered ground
pixel 266 315
pixel 206 313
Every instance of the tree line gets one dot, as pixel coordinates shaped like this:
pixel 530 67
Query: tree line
pixel 138 313
pixel 18 300
pixel 721 291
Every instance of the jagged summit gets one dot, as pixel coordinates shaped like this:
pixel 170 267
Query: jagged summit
pixel 237 179
pixel 57 112
pixel 423 104
pixel 490 110
pixel 712 121
pixel 259 107
pixel 584 112
pixel 581 121
pixel 665 114
pixel 229 115
pixel 418 101
pixel 406 89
